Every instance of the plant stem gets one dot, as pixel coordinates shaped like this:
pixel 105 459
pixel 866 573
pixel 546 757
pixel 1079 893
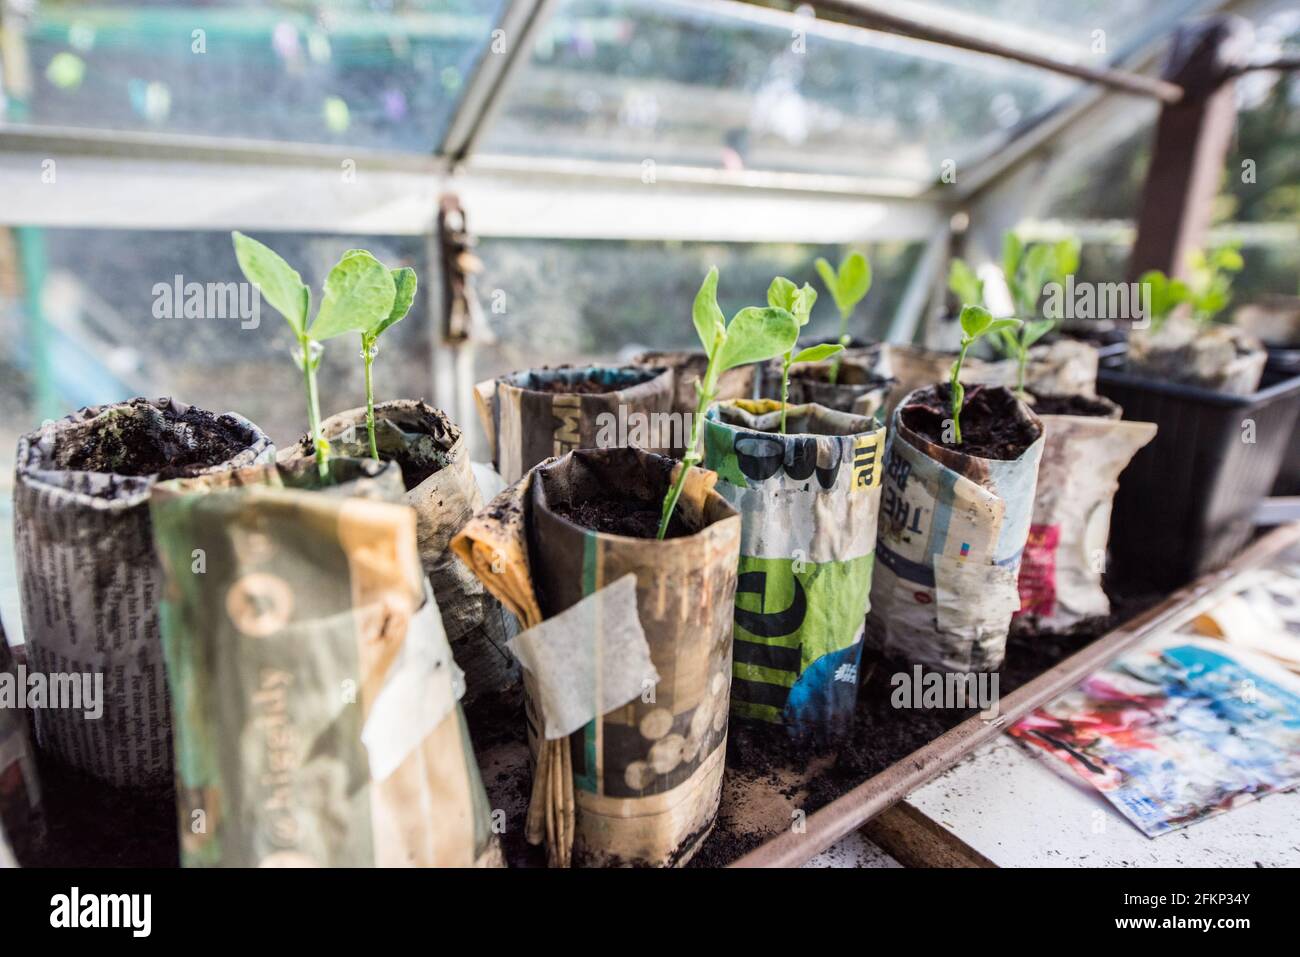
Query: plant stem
pixel 844 341
pixel 708 389
pixel 366 345
pixel 1023 358
pixel 785 385
pixel 956 392
pixel 313 407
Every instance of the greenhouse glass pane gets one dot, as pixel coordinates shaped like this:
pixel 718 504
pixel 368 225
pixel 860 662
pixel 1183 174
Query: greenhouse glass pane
pixel 373 74
pixel 1094 29
pixel 621 298
pixel 730 85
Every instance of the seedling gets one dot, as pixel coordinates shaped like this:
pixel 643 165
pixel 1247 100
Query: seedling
pixel 1208 288
pixel 848 287
pixel 404 283
pixel 1026 270
pixel 1016 344
pixel 976 322
pixel 785 295
pixel 359 293
pixel 754 335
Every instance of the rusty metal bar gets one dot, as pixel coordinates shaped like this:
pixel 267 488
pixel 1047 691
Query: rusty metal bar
pixel 872 13
pixel 851 810
pixel 1191 147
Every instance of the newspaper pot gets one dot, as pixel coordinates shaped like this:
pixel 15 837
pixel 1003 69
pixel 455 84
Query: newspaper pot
pixel 314 694
pixel 953 525
pixel 89 579
pixel 688 368
pixel 1086 447
pixel 856 389
pixel 21 822
pixel 808 501
pixel 1187 503
pixel 532 415
pixel 1062 367
pixel 440 486
pixel 1217 357
pixel 646 776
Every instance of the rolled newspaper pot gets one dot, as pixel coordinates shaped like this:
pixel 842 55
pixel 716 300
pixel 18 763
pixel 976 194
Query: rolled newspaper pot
pixel 1063 367
pixel 646 776
pixel 856 389
pixel 808 501
pixel 953 526
pixel 1086 447
pixel 532 415
pixel 315 696
pixel 21 822
pixel 89 580
pixel 1218 357
pixel 688 369
pixel 440 486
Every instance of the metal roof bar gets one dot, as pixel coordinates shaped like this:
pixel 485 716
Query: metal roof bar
pixel 517 30
pixel 878 15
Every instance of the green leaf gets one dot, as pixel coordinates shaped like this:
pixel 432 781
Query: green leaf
pixel 755 335
pixel 1012 250
pixel 1067 259
pixel 975 320
pixel 965 285
pixel 1035 330
pixel 359 294
pixel 277 281
pixel 829 279
pixel 404 283
pixel 802 307
pixel 1010 344
pixel 818 353
pixel 854 281
pixel 781 294
pixel 997 325
pixel 710 325
pixel 1039 262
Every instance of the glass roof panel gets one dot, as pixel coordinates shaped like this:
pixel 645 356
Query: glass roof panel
pixel 727 85
pixel 384 75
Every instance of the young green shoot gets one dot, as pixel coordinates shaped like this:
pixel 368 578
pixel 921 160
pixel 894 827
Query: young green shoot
pixel 1207 289
pixel 404 283
pixel 1016 343
pixel 359 291
pixel 848 287
pixel 976 322
pixel 783 294
pixel 754 335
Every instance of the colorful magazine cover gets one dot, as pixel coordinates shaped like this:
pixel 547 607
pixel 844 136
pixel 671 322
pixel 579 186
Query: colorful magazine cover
pixel 1176 734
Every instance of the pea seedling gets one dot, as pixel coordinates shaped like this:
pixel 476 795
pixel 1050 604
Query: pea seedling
pixel 359 292
pixel 976 322
pixel 1016 344
pixel 848 287
pixel 754 335
pixel 783 294
pixel 404 284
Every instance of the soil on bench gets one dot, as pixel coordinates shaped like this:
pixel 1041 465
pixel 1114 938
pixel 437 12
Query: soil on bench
pixel 991 425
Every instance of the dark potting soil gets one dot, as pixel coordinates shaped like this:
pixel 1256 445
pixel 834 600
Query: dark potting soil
pixel 636 519
pixel 990 428
pixel 89 824
pixel 586 386
pixel 1069 405
pixel 815 774
pixel 138 439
